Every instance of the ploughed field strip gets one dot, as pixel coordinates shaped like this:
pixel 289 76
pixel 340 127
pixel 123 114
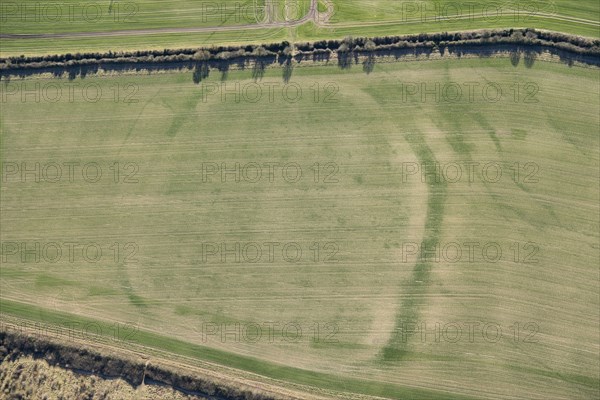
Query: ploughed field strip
pixel 421 230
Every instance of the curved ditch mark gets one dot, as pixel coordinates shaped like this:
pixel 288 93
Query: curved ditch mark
pixel 180 117
pixel 397 347
pixel 128 290
pixel 137 119
pixel 135 372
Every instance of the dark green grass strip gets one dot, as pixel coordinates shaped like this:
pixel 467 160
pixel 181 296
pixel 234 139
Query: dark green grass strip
pixel 267 369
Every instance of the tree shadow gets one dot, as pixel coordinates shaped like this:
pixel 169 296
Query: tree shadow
pixel 258 69
pixel 288 69
pixel 201 72
pixel 515 58
pixel 223 68
pixel 369 63
pixel 344 59
pixel 529 58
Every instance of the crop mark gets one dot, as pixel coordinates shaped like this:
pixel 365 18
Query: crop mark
pixel 396 348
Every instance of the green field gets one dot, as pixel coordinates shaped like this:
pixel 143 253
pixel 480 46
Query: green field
pixel 31 17
pixel 162 204
pixel 360 10
pixel 358 18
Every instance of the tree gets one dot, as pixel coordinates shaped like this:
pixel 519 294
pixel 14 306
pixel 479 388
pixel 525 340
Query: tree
pixel 288 51
pixel 201 55
pixel 344 48
pixel 370 45
pixel 260 52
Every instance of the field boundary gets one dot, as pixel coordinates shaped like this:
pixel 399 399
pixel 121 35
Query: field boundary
pixel 569 48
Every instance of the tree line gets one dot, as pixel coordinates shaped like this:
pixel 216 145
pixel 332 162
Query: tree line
pixel 200 58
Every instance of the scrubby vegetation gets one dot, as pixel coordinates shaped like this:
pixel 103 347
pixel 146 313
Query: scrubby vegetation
pixel 26 380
